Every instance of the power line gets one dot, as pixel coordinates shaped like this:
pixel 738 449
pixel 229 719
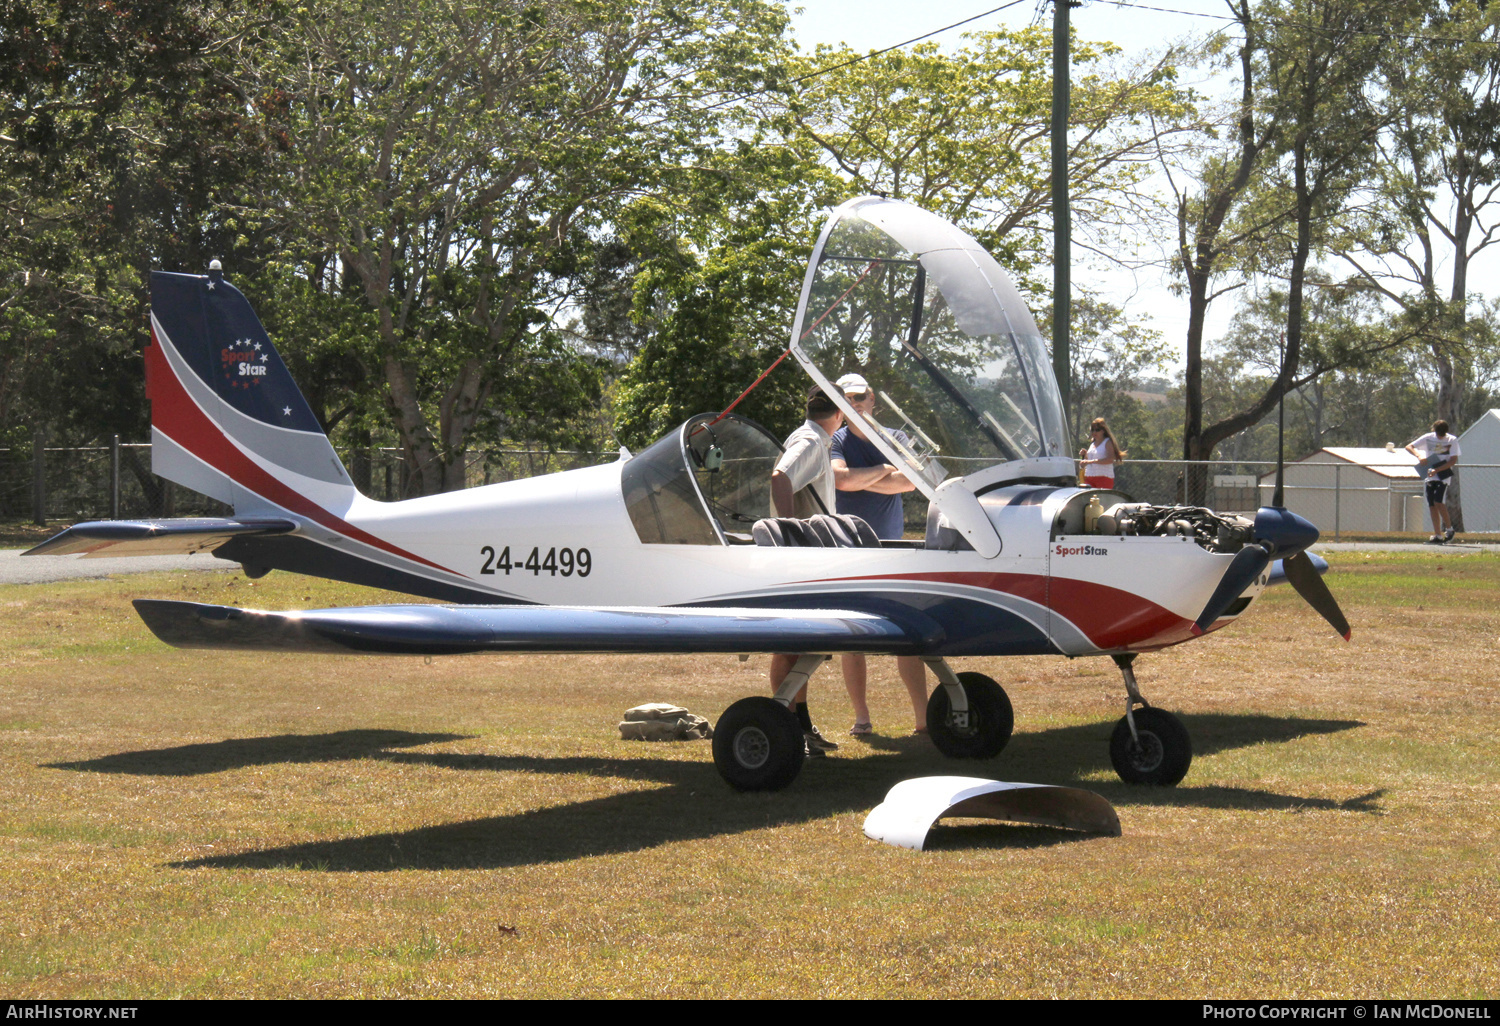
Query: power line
pixel 1419 36
pixel 865 57
pixel 918 39
pixel 1167 10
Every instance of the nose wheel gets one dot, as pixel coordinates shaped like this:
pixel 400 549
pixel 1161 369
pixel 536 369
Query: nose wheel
pixel 1149 745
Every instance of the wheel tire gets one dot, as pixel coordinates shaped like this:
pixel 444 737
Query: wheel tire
pixel 758 745
pixel 1164 754
pixel 991 719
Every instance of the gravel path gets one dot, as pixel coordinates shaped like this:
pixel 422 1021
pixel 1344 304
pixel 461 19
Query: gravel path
pixel 1453 549
pixel 46 569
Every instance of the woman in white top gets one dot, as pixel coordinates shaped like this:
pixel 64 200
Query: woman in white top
pixel 1100 457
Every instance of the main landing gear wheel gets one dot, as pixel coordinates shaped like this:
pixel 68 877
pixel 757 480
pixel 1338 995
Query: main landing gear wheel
pixel 758 745
pixel 989 723
pixel 1161 757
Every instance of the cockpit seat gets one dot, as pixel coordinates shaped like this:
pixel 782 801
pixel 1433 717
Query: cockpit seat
pixel 818 532
pixel 860 534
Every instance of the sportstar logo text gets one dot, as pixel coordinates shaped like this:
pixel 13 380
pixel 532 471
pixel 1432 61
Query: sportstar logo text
pixel 1079 550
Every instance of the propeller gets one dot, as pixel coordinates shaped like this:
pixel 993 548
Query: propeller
pixel 1303 575
pixel 1279 533
pixel 1247 565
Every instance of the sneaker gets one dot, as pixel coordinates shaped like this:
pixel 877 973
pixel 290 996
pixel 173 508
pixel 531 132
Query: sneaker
pixel 1436 539
pixel 818 743
pixel 1448 535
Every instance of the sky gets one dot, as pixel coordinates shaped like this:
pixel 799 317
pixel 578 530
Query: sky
pixel 875 24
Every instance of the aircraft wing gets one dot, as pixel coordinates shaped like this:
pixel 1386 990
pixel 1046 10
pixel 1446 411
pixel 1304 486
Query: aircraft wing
pixel 448 630
pixel 176 537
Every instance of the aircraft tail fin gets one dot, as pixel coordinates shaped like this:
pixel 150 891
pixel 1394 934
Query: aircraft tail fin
pixel 226 418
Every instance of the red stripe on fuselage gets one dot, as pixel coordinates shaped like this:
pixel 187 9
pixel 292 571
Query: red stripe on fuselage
pixel 1114 618
pixel 175 414
pixel 1111 618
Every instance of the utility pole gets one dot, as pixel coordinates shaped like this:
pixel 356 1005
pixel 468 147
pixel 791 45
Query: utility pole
pixel 1062 220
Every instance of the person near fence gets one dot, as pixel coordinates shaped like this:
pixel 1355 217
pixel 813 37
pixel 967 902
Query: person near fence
pixel 870 488
pixel 1439 450
pixel 805 467
pixel 1101 455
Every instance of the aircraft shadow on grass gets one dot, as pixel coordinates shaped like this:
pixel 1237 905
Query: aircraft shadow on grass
pixel 694 803
pixel 236 753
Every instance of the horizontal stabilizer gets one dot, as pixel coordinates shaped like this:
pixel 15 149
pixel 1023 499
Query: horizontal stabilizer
pixel 156 537
pixel 437 630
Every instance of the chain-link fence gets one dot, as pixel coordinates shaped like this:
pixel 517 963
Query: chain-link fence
pixel 115 481
pixel 92 482
pixel 1337 495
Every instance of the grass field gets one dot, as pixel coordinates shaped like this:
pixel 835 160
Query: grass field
pixel 186 824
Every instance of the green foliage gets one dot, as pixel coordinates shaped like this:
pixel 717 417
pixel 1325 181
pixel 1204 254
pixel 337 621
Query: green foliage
pixel 716 290
pixel 124 148
pixel 965 134
pixel 1110 357
pixel 463 166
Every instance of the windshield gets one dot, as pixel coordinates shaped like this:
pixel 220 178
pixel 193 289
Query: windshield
pixel 706 483
pixel 961 376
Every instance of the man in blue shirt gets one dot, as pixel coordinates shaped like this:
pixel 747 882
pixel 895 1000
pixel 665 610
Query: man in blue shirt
pixel 871 489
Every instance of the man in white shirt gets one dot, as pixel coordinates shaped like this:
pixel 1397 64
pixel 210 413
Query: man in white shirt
pixel 805 469
pixel 1439 451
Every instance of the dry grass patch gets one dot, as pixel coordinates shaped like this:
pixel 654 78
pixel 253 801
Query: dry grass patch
pixel 188 824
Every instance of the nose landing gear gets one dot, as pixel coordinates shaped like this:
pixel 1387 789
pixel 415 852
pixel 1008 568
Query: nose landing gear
pixel 1149 745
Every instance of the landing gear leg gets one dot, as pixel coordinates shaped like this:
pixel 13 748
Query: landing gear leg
pixel 758 744
pixel 1149 745
pixel 801 670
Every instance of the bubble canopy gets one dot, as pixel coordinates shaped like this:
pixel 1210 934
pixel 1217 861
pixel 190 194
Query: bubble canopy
pixel 928 318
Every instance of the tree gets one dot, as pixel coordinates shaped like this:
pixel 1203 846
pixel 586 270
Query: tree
pixel 1109 359
pixel 1304 131
pixel 460 162
pixel 965 134
pixel 1439 176
pixel 123 147
pixel 1352 353
pixel 716 287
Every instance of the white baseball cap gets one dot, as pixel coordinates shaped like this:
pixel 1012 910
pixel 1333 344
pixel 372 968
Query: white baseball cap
pixel 854 383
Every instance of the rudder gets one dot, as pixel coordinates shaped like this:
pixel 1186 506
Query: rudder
pixel 227 419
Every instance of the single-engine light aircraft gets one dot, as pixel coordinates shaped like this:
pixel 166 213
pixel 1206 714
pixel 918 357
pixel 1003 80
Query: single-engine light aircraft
pixel 674 549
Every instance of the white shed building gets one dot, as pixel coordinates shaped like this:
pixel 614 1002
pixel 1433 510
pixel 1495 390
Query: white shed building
pixel 1479 473
pixel 1344 488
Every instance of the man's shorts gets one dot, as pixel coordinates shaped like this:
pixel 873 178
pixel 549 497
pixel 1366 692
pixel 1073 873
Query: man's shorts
pixel 1437 490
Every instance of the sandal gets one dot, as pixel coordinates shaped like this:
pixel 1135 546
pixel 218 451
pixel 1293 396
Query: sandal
pixel 862 729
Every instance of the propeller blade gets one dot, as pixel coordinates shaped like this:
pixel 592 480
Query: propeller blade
pixel 1302 574
pixel 1247 565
